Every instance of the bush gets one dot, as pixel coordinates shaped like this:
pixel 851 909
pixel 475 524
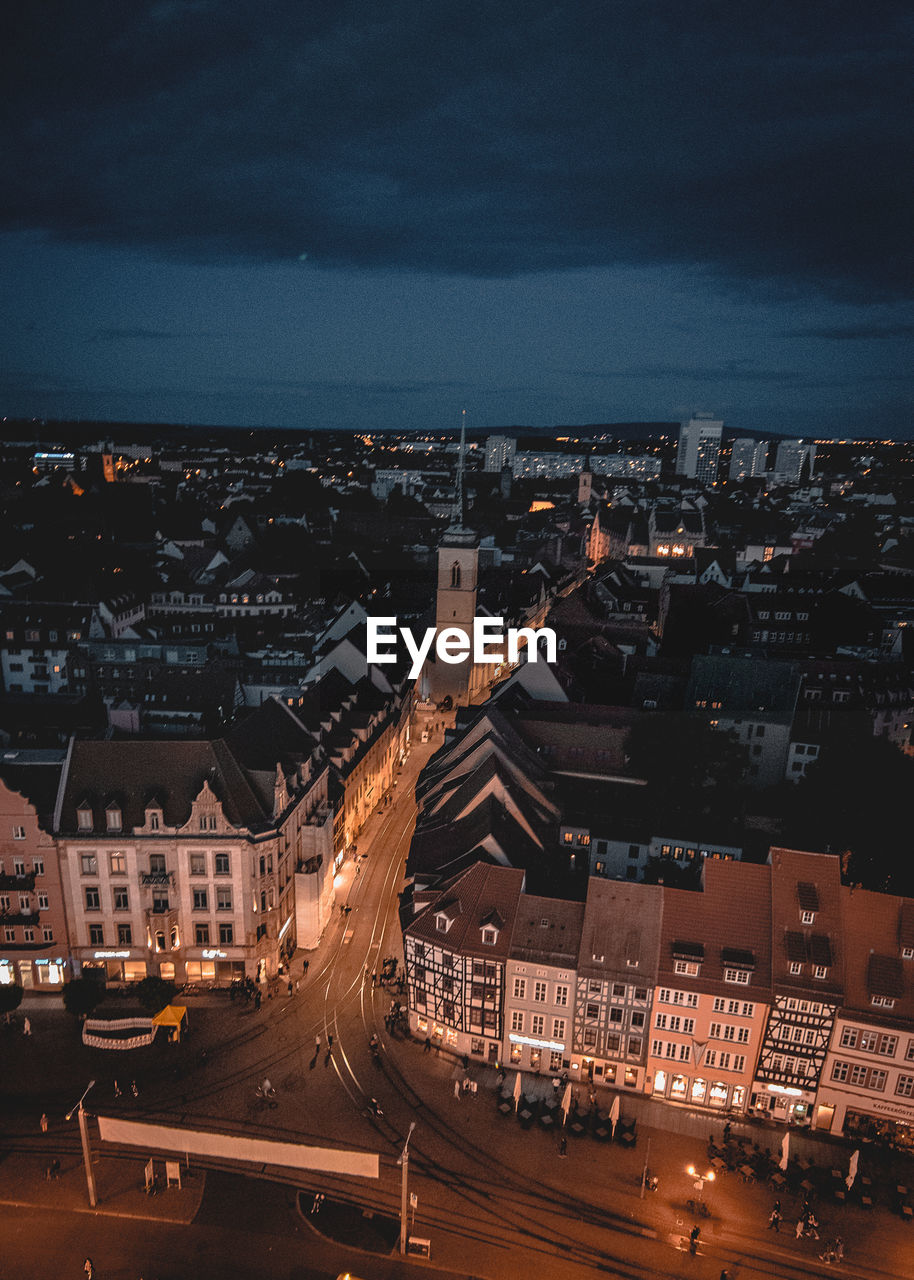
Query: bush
pixel 82 996
pixel 154 993
pixel 10 998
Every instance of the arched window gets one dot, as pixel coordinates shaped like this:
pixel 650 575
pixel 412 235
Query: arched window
pixel 455 574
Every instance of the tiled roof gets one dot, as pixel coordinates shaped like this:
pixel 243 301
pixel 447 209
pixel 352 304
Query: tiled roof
pixel 471 899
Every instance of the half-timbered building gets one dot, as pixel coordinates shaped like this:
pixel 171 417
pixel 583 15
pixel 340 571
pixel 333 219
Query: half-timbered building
pixel 456 951
pixel 807 981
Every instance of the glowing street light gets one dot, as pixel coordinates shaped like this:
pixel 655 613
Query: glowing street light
pixel 700 1180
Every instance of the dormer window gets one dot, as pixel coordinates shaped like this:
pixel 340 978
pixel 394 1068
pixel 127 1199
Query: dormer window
pixel 490 936
pixel 443 922
pixel 155 819
pixel 795 967
pixel 84 818
pixel 820 971
pixel 113 818
pixel 689 968
pixel 807 917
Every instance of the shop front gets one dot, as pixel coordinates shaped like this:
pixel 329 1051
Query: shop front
pixel 866 1119
pixel 214 968
pixel 45 974
pixel 784 1103
pixel 699 1091
pixel 116 967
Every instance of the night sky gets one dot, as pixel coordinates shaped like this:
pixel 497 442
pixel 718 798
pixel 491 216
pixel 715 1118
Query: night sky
pixel 367 215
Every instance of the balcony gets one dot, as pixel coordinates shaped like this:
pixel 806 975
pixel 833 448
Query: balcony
pixel 23 882
pixel 19 917
pixel 151 879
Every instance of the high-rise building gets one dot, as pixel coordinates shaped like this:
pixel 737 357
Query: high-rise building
pixel 748 458
pixel 789 461
pixel 499 452
pixel 698 454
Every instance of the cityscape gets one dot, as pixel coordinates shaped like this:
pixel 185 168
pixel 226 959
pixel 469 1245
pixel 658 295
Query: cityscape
pixel 456 642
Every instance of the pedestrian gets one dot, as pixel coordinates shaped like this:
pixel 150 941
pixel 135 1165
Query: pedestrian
pixel 117 1089
pixel 427 1047
pixel 374 978
pixel 26 1028
pixel 52 1173
pixel 133 1089
pixel 472 1088
pixel 304 966
pixel 839 1249
pixel 290 986
pixel 800 1226
pixel 317 1045
pixel 456 1088
pixel 330 1042
pixel 44 1122
pixel 89 1268
pixel 828 1253
pixel 774 1222
pixel 563 1146
pixel 694 1235
pixel 812 1226
pixel 257 1000
pixel 726 1133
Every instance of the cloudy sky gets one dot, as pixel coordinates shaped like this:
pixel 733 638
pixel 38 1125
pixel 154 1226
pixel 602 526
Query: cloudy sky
pixel 336 213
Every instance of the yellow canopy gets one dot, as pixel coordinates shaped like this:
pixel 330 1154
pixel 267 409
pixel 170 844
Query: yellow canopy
pixel 173 1016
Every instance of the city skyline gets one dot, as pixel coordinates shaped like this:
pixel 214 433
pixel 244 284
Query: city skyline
pixel 327 218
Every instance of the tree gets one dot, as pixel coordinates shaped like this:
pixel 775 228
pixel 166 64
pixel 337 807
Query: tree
pixel 82 996
pixel 155 993
pixel 855 801
pixel 687 765
pixel 10 998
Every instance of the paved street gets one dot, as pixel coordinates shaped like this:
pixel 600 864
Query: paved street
pixel 494 1199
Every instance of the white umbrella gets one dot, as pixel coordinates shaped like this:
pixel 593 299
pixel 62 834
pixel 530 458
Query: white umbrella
pixel 566 1102
pixel 517 1090
pixel 614 1114
pixel 852 1170
pixel 785 1152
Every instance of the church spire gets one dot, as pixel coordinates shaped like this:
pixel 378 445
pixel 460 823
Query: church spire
pixel 460 462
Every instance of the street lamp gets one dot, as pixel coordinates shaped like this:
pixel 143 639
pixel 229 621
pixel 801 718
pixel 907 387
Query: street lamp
pixel 87 1153
pixel 700 1180
pixel 403 1162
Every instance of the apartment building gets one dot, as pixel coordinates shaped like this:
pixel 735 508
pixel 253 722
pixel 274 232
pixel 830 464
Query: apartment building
pixel 866 1089
pixel 540 983
pixel 713 990
pixel 33 927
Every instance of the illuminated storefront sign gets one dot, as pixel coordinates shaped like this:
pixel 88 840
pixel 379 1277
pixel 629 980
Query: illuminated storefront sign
pixel 537 1044
pixel 214 955
pixel 112 955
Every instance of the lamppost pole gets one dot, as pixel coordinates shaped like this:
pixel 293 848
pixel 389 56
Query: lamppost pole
pixel 404 1196
pixel 87 1150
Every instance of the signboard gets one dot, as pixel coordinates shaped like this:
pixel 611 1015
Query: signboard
pixel 172 1174
pixel 419 1248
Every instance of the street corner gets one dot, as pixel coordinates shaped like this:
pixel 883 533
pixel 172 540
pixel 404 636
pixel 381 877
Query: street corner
pixel 57 1181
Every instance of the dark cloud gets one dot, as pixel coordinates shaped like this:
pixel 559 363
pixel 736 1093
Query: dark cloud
pixel 855 332
pixel 767 143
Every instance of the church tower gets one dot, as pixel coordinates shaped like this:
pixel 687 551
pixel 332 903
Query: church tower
pixel 455 602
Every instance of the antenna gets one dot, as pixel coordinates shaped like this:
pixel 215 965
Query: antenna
pixel 460 459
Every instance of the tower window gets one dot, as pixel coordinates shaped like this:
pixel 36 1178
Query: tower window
pixel 455 574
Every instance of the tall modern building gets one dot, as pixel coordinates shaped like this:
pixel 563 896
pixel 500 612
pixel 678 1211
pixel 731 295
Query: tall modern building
pixel 790 458
pixel 499 452
pixel 698 454
pixel 748 458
